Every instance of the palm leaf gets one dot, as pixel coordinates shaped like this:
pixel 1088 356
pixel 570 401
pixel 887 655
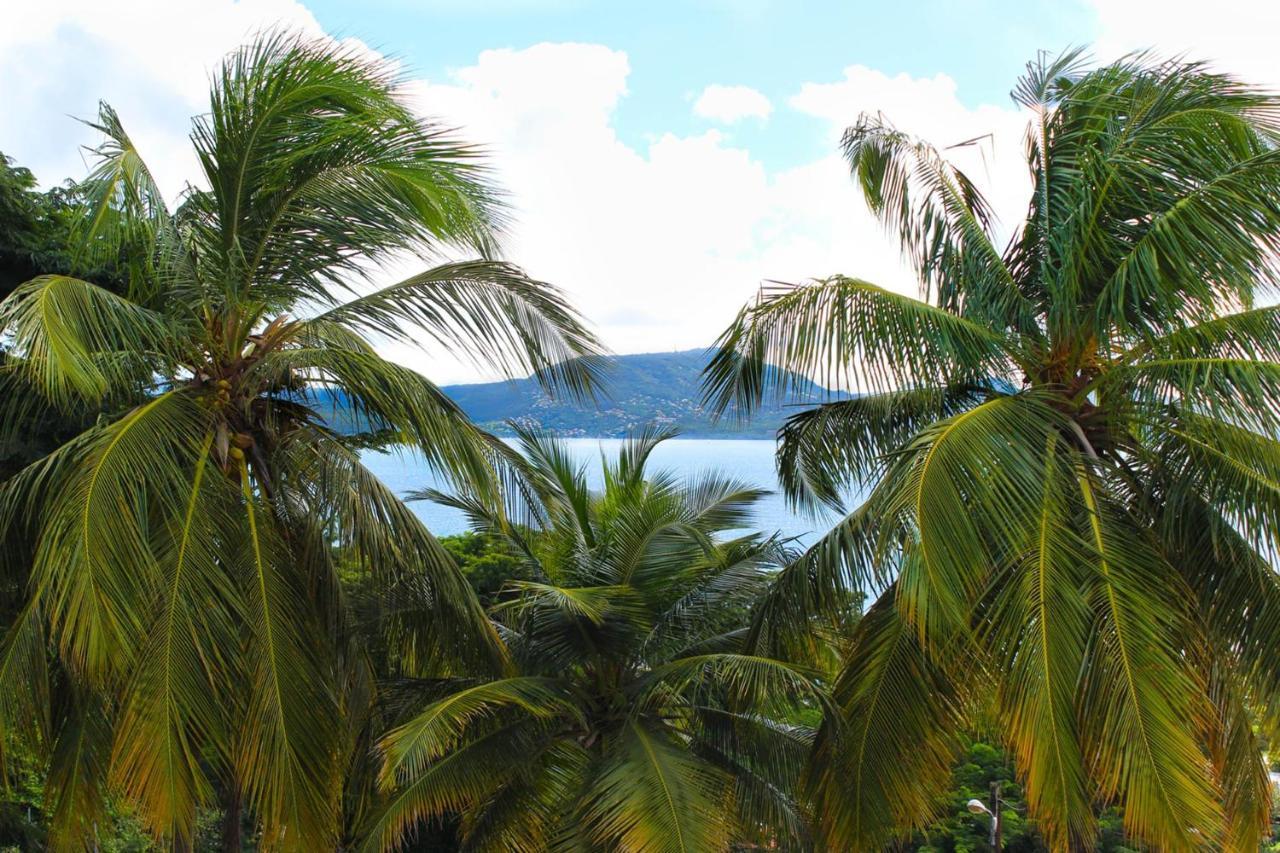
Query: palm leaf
pixel 845 333
pixel 79 342
pixel 879 765
pixel 489 312
pixel 286 753
pixel 1140 710
pixel 652 796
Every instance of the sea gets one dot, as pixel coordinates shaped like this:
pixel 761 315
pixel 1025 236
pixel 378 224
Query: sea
pixel 750 460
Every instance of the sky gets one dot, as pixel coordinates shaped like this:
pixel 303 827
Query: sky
pixel 662 159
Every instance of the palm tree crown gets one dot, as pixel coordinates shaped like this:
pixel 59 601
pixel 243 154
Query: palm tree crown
pixel 1070 454
pixel 184 572
pixel 630 720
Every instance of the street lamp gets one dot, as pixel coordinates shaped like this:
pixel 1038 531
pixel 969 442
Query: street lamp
pixel 979 807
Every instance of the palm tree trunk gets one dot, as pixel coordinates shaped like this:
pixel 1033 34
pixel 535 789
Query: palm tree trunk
pixel 231 819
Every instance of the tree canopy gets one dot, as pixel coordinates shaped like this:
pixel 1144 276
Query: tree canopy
pixel 630 718
pixel 182 636
pixel 1069 448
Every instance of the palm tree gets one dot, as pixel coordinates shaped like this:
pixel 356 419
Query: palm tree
pixel 1069 455
pixel 184 577
pixel 629 720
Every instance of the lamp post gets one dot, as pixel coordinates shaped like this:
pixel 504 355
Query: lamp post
pixel 979 807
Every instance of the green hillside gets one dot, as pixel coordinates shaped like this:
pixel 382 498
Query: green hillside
pixel 663 388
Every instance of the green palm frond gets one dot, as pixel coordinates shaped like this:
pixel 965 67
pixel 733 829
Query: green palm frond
pixel 1252 334
pixel 489 311
pixel 75 793
pixel 652 796
pixel 529 815
pixel 314 160
pixel 719 502
pixel 1039 627
pixel 880 764
pixel 592 604
pixel 383 395
pixel 440 727
pixel 846 333
pixel 1140 708
pixel 95 571
pixel 747 680
pixel 291 721
pixel 1236 750
pixel 1233 469
pixel 166 717
pixel 821 587
pixel 737 575
pixel 1238 390
pixel 124 213
pixel 434 613
pixel 765 757
pixel 974 479
pixel 456 782
pixel 1232 583
pixel 942 222
pixel 24 682
pixel 836 446
pixel 1198 247
pixel 79 342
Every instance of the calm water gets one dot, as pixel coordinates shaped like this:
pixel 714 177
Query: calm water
pixel 748 460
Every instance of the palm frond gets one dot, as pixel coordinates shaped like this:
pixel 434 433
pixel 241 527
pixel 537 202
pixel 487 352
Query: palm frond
pixel 749 681
pixel 75 793
pixel 167 716
pixel 79 342
pixel 1236 390
pixel 1140 709
pixel 974 480
pixel 830 448
pixel 285 755
pixel 941 220
pixel 451 785
pixel 124 214
pixel 316 163
pixel 652 796
pixel 95 570
pixel 1039 627
pixel 24 683
pixel 433 612
pixel 846 333
pixel 879 765
pixel 436 731
pixel 489 312
pixel 380 394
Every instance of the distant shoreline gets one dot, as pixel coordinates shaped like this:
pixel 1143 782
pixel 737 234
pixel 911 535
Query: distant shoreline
pixel 680 436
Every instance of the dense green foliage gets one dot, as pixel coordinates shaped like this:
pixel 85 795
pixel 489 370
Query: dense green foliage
pixel 628 718
pixel 220 631
pixel 35 238
pixel 1072 455
pixel 487 562
pixel 183 639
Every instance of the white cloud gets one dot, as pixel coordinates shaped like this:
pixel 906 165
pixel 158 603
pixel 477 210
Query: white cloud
pixel 930 109
pixel 661 244
pixel 658 244
pixel 1237 36
pixel 150 59
pixel 729 104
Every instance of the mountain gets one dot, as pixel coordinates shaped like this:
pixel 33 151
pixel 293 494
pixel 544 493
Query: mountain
pixel 663 388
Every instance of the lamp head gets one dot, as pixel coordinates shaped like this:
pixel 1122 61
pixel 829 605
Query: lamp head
pixel 978 807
